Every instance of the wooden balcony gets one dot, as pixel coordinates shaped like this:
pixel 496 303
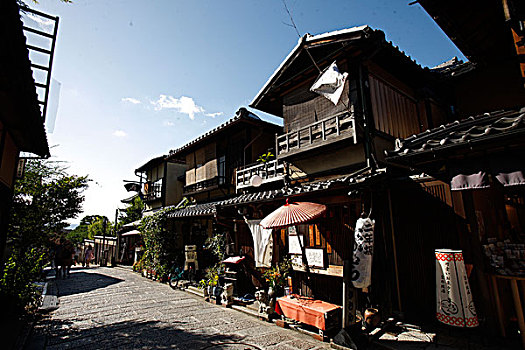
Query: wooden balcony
pixel 153 193
pixel 204 185
pixel 320 133
pixel 270 171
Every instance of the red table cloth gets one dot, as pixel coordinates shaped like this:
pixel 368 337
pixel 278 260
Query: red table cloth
pixel 305 310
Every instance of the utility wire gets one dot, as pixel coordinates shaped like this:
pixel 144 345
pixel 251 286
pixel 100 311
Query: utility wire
pixel 299 35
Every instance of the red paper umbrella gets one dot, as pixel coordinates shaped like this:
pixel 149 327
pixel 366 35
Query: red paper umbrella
pixel 293 213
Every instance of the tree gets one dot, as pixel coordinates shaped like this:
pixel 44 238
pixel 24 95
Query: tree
pixel 100 227
pixel 81 232
pixel 43 200
pixel 132 213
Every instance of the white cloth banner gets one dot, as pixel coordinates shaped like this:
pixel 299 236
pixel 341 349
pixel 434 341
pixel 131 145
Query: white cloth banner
pixel 363 253
pixel 263 243
pixel 454 298
pixel 330 83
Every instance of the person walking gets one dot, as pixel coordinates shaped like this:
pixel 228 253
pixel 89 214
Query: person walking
pixel 57 257
pixel 88 255
pixel 66 258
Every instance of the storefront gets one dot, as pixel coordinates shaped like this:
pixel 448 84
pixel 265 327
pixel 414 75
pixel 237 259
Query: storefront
pixel 481 160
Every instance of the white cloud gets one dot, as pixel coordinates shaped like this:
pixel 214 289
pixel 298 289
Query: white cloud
pixel 130 100
pixel 120 133
pixel 168 123
pixel 184 105
pixel 213 115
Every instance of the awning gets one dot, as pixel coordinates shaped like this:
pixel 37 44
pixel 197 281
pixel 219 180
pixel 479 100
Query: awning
pixel 293 213
pixel 131 233
pixel 507 170
pixel 132 224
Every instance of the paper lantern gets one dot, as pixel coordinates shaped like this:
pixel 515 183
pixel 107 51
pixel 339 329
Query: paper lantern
pixel 455 306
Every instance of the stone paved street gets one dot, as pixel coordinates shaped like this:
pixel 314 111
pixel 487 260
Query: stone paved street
pixel 113 308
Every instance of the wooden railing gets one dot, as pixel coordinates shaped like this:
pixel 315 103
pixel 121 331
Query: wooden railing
pixel 203 185
pixel 316 133
pixel 154 192
pixel 269 171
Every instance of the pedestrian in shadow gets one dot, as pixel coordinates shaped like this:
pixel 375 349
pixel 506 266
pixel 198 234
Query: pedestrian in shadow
pixel 67 258
pixel 57 258
pixel 88 255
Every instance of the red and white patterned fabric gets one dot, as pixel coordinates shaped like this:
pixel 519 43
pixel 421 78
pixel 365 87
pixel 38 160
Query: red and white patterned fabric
pixel 455 306
pixel 293 213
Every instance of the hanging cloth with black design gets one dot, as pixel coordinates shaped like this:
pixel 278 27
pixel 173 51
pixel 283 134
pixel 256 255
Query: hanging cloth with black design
pixel 363 253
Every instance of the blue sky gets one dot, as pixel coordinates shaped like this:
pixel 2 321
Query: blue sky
pixel 139 78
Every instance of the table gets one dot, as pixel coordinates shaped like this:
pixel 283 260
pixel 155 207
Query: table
pixel 518 303
pixel 317 313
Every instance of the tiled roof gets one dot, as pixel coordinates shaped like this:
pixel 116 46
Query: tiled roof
pixel 151 163
pixel 486 127
pixel 129 199
pixel 304 188
pixel 242 114
pixel 253 197
pixel 21 114
pixel 309 41
pixel 209 209
pixel 453 67
pixel 206 209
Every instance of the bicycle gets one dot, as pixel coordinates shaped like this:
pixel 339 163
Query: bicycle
pixel 178 274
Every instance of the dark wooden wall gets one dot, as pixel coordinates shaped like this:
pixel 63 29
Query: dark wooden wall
pixel 423 222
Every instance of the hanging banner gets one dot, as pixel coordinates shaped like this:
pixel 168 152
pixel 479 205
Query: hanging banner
pixel 363 253
pixel 455 306
pixel 263 243
pixel 330 83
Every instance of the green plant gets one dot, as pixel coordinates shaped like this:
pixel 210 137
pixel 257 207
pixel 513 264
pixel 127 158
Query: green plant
pixel 212 274
pixel 276 275
pixel 16 288
pixel 265 157
pixel 217 245
pixel 160 243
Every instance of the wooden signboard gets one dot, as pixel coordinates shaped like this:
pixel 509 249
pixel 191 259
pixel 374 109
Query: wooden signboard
pixel 314 257
pixel 293 244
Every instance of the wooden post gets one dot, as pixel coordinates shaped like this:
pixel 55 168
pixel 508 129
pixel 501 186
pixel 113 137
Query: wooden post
pixel 348 304
pixel 499 310
pixel 276 145
pixel 519 309
pixel 394 251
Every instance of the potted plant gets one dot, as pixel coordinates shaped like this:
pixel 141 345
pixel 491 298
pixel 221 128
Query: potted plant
pixel 203 285
pixel 264 159
pixel 277 276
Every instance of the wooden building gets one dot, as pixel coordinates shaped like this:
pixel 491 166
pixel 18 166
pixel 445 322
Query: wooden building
pixel 478 158
pixel 21 121
pixel 334 155
pixel 162 181
pixel 211 161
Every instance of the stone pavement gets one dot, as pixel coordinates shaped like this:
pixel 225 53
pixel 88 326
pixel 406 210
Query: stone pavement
pixel 114 308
